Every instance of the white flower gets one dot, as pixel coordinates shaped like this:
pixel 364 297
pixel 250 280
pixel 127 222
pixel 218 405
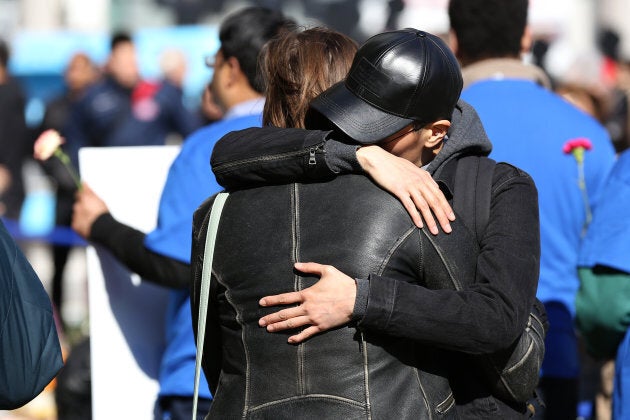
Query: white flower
pixel 47 144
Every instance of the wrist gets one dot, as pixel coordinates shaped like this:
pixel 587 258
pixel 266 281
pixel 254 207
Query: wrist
pixel 342 157
pixel 366 156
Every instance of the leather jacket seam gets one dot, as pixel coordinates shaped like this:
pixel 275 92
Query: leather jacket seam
pixel 366 376
pixel 445 262
pixel 393 249
pixel 239 319
pixel 307 396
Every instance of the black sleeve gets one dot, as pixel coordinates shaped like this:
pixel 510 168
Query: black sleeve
pixel 271 155
pixel 127 245
pixel 491 312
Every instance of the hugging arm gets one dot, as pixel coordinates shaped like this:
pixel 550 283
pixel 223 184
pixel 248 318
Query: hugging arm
pixel 482 317
pixel 278 155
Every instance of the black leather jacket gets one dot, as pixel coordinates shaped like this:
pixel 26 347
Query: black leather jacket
pixel 348 223
pixel 344 373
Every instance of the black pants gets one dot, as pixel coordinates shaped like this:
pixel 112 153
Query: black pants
pixel 180 408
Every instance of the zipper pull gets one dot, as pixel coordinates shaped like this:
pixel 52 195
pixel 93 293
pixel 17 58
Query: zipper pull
pixel 311 156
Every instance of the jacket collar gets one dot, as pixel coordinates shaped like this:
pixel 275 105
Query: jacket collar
pixel 504 68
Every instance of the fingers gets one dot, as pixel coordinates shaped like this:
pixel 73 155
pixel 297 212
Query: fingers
pixel 415 205
pixel 84 191
pixel 431 207
pixel 411 206
pixel 304 335
pixel 289 324
pixel 310 268
pixel 280 316
pixel 444 218
pixel 281 299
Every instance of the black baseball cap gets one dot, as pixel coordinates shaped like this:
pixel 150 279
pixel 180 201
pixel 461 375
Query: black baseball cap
pixel 397 78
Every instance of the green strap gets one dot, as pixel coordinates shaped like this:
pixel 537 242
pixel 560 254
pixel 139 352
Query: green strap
pixel 206 273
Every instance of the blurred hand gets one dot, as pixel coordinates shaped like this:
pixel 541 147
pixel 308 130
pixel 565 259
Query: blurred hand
pixel 413 186
pixel 87 208
pixel 327 304
pixel 210 109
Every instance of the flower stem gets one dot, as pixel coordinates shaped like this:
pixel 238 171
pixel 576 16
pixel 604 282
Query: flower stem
pixel 63 157
pixel 587 206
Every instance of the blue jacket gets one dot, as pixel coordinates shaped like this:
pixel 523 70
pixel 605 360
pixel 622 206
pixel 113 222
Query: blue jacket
pixel 190 181
pixel 528 126
pixel 621 398
pixel 607 242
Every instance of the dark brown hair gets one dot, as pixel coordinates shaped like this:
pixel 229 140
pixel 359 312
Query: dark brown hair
pixel 488 28
pixel 298 66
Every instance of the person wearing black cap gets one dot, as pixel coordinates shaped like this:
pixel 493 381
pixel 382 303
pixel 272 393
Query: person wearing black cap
pixel 401 92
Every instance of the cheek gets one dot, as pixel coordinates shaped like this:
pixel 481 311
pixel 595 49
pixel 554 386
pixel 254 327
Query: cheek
pixel 389 146
pixel 402 146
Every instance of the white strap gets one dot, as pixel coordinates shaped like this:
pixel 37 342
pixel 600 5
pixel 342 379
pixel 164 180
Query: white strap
pixel 206 273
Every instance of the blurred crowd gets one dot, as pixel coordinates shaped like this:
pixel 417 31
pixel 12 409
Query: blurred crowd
pixel 111 104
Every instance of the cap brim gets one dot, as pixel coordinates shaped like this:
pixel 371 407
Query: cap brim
pixel 358 119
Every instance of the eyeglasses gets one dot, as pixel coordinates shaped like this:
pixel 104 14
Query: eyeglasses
pixel 414 127
pixel 210 61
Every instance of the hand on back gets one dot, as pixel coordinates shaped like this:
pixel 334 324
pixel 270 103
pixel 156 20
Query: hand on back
pixel 413 186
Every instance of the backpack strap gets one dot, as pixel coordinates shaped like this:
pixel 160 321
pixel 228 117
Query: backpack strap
pixel 472 192
pixel 513 373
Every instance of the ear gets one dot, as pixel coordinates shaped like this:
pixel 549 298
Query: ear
pixel 452 41
pixel 526 40
pixel 235 70
pixel 439 129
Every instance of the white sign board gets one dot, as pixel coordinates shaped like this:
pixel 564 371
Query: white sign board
pixel 126 313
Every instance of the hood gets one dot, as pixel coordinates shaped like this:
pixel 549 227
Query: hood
pixel 466 136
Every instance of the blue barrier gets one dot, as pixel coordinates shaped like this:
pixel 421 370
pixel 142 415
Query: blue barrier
pixel 59 235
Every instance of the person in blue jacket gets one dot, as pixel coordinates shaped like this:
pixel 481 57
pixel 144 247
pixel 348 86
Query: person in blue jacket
pixel 604 258
pixel 163 255
pixel 529 126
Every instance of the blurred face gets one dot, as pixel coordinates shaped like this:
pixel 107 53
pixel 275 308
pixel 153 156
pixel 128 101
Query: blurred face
pixel 408 144
pixel 123 66
pixel 418 146
pixel 80 73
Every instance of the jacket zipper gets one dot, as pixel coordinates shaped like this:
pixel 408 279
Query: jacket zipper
pixel 295 204
pixel 279 156
pixel 311 156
